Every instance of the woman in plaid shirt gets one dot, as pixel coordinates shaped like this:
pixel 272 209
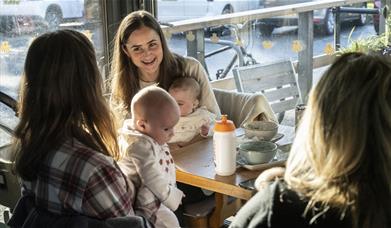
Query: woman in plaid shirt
pixel 66 139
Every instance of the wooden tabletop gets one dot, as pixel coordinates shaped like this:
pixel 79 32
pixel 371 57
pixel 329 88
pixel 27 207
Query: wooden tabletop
pixel 195 167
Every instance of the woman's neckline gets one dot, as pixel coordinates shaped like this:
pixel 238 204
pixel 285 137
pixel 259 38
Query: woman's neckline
pixel 147 81
pixel 146 77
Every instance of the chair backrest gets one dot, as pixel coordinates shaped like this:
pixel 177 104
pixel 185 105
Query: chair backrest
pixel 27 214
pixel 277 81
pixel 9 185
pixel 243 107
pixel 9 101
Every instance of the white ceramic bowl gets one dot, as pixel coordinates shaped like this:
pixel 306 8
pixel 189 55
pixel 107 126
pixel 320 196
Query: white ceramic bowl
pixel 265 130
pixel 257 152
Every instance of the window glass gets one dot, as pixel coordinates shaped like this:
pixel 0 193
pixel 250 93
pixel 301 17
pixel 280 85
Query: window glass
pixel 260 41
pixel 175 10
pixel 23 20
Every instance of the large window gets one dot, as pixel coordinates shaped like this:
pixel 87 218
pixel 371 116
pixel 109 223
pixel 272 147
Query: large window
pixel 23 20
pixel 259 41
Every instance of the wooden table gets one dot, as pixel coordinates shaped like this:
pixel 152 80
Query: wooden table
pixel 195 167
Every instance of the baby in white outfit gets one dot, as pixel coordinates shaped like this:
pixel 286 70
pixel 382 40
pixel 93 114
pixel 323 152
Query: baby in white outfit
pixel 194 121
pixel 146 159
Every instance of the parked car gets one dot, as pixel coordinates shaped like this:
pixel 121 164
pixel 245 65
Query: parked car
pixel 323 19
pixel 11 25
pixel 54 11
pixel 175 10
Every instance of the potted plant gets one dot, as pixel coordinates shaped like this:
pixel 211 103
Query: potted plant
pixel 373 44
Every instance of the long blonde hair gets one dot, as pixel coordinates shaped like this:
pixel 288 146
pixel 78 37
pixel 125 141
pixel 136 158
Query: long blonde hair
pixel 341 157
pixel 61 97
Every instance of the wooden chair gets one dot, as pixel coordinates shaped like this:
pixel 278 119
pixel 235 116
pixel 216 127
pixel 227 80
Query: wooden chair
pixel 198 214
pixel 9 183
pixel 28 214
pixel 9 187
pixel 277 81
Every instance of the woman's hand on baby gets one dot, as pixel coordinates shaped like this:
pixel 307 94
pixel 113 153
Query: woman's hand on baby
pixel 204 130
pixel 268 176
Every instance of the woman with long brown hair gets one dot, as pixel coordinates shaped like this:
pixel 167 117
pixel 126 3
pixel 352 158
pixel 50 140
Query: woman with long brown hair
pixel 66 139
pixel 141 58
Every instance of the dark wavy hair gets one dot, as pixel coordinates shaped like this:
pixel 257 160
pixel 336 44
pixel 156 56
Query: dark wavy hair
pixel 61 98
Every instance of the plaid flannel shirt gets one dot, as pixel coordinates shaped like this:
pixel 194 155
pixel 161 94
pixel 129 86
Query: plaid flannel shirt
pixel 77 179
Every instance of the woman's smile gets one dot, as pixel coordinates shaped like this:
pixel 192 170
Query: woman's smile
pixel 149 62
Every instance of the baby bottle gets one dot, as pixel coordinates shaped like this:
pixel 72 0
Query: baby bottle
pixel 224 146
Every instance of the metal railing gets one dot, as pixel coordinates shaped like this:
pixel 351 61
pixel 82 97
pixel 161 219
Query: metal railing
pixel 196 47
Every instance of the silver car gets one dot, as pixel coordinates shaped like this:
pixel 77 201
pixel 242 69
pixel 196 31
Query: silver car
pixel 323 19
pixel 175 10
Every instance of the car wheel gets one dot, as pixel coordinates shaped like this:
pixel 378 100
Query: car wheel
pixel 362 19
pixel 266 30
pixel 227 10
pixel 53 17
pixel 221 30
pixel 329 22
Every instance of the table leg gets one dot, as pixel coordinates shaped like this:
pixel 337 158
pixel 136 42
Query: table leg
pixel 216 217
pixel 223 209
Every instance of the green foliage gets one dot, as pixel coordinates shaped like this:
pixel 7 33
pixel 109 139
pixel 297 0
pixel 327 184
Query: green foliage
pixel 370 44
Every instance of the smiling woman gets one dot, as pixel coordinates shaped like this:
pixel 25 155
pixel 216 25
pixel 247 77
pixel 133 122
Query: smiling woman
pixel 141 58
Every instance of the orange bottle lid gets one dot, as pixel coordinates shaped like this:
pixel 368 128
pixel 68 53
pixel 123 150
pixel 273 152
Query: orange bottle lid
pixel 224 125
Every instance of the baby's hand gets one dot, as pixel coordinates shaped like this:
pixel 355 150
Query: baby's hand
pixel 204 130
pixel 174 146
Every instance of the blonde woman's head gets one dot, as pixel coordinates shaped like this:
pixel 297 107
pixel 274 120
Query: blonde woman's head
pixel 342 153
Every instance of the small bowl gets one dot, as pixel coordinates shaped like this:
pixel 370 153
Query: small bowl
pixel 257 152
pixel 265 130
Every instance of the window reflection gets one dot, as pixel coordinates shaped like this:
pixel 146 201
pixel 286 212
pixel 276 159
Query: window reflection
pixel 23 20
pixel 266 40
